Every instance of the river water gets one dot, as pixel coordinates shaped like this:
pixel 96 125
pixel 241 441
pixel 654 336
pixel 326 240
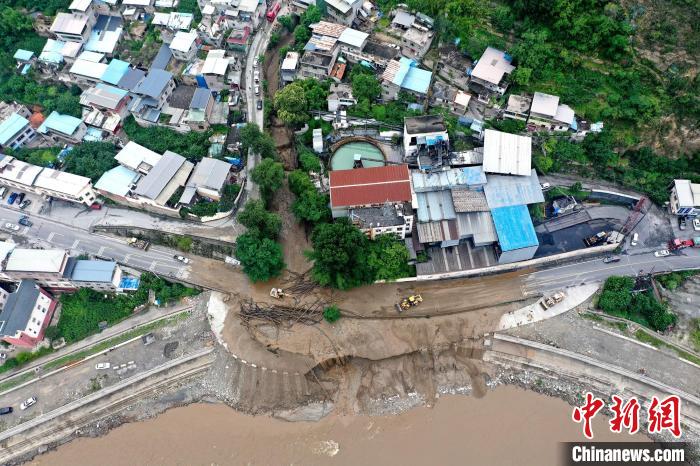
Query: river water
pixel 508 426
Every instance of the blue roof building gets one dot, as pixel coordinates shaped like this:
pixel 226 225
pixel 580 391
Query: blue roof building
pixel 23 55
pixel 117 181
pixel 64 126
pixel 516 235
pixel 95 274
pixel 115 71
pixel 15 131
pixel 405 74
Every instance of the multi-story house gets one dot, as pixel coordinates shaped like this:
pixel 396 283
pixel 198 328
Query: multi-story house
pixel 25 313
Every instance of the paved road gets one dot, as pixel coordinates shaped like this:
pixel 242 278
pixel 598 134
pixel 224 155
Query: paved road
pixel 595 270
pixel 48 233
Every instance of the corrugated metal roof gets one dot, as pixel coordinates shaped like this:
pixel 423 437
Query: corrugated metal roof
pixel 133 155
pixel 435 205
pixel 11 126
pixel 210 173
pixel 216 63
pixel 6 248
pixel 117 181
pixel 514 227
pixel 565 114
pixel 367 186
pixel 477 225
pixel 93 57
pixel 93 271
pixel 131 79
pixel 154 83
pixel 115 71
pixel 326 28
pixel 504 191
pixel 404 19
pixel 18 308
pixel 447 179
pixel 435 232
pixel 23 55
pixel 200 98
pixel 160 175
pixel 160 62
pixel 88 68
pixel 467 200
pixel 506 153
pixel 69 23
pixel 353 37
pixel 103 95
pixel 64 124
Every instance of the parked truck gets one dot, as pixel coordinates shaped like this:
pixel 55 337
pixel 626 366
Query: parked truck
pixel 676 244
pixel 550 301
pixel 138 243
pixel 596 239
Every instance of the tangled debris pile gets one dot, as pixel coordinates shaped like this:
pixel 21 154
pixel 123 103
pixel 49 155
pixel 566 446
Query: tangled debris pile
pixel 253 313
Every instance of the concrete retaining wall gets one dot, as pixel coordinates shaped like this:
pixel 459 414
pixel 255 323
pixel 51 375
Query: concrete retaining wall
pixel 549 260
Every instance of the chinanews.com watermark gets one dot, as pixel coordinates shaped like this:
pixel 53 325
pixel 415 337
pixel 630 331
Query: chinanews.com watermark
pixel 661 415
pixel 622 453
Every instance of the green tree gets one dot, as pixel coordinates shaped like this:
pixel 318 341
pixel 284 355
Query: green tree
pixel 316 93
pixel 311 15
pixel 388 258
pixel 259 221
pixel 309 161
pixel 291 104
pixel 365 87
pixel 287 21
pixel 261 143
pixel 302 34
pixel 299 182
pixel 331 314
pixel 269 175
pixel 91 159
pixel 339 255
pixel 312 206
pixel 261 258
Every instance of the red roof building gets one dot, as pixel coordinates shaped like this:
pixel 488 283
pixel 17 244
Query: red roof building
pixel 361 187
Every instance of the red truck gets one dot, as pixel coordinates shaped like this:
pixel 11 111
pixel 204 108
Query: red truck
pixel 272 12
pixel 677 243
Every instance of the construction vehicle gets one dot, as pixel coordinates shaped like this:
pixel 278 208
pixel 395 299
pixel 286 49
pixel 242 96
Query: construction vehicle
pixel 595 239
pixel 138 243
pixel 409 302
pixel 277 293
pixel 677 244
pixel 550 301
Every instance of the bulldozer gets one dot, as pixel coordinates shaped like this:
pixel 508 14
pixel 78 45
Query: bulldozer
pixel 277 293
pixel 409 302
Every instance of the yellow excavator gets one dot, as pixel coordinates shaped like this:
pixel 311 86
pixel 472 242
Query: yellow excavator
pixel 409 302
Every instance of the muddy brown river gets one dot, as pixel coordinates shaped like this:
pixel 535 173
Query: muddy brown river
pixel 508 426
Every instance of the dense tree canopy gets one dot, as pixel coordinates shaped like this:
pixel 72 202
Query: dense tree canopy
pixel 91 159
pixel 261 258
pixel 338 255
pixel 259 221
pixel 291 104
pixel 269 175
pixel 312 206
pixel 193 145
pixel 261 143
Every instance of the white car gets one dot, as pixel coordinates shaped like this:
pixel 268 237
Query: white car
pixel 635 238
pixel 255 63
pixel 696 224
pixel 27 403
pixel 662 253
pixel 12 226
pixel 545 186
pixel 182 259
pixel 102 365
pixel 257 90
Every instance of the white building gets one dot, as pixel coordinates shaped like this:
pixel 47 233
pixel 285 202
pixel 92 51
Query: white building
pixel 548 113
pixel 490 73
pixel 290 64
pixel 416 41
pixel 507 154
pixel 340 97
pixel 45 181
pixel 423 132
pixel 685 198
pixel 343 11
pixel 184 45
